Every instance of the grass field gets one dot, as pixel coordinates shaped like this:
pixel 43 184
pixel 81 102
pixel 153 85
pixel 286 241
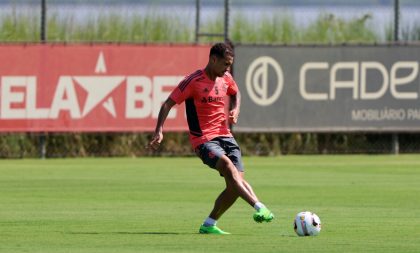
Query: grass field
pixel 366 204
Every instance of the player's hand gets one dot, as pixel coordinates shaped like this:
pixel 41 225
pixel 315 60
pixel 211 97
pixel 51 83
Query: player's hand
pixel 233 116
pixel 156 140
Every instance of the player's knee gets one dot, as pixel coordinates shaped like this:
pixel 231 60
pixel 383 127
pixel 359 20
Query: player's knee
pixel 228 169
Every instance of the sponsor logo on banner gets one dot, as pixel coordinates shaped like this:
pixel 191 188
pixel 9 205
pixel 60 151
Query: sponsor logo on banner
pixel 339 88
pixel 258 84
pixel 63 98
pixel 97 91
pixel 358 81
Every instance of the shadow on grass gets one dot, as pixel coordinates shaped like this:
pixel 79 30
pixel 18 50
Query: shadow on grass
pixel 150 233
pixel 125 233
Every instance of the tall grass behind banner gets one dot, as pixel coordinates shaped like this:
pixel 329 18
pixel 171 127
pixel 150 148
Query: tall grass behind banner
pixel 154 27
pixel 411 33
pixel 330 29
pixel 111 27
pixel 157 28
pixel 19 28
pixel 275 29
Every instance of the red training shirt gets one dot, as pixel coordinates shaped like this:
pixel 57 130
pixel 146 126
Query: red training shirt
pixel 205 105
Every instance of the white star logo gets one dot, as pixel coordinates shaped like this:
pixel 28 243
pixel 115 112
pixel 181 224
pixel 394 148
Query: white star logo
pixel 99 87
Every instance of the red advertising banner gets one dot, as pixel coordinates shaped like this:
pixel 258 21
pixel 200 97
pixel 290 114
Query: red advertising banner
pixel 63 88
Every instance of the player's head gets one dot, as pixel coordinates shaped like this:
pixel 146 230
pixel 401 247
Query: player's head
pixel 220 58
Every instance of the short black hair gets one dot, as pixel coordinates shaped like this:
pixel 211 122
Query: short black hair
pixel 221 50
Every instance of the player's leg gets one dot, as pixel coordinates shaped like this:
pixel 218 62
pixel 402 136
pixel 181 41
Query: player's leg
pixel 210 153
pixel 248 186
pixel 223 202
pixel 234 180
pixel 234 153
pixel 263 213
pixel 227 198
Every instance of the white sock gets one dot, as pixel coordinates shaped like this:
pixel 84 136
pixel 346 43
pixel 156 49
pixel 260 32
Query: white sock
pixel 209 222
pixel 258 205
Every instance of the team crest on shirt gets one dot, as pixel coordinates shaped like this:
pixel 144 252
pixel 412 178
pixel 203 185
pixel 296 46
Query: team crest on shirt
pixel 224 87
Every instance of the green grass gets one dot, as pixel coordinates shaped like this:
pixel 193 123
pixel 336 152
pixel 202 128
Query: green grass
pixel 154 27
pixel 366 204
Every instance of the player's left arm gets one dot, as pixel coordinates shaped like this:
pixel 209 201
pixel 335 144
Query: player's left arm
pixel 235 107
pixel 235 99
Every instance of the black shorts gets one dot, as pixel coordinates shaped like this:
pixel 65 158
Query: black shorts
pixel 211 151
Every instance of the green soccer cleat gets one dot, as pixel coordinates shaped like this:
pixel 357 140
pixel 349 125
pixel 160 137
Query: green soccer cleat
pixel 212 230
pixel 263 215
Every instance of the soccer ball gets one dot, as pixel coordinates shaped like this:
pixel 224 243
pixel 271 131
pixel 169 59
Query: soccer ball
pixel 307 224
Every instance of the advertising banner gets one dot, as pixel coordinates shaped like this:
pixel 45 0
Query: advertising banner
pixel 315 88
pixel 105 87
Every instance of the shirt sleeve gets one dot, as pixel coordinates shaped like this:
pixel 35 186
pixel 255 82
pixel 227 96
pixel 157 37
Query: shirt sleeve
pixel 181 92
pixel 232 86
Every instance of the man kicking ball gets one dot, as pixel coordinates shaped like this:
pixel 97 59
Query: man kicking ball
pixel 204 94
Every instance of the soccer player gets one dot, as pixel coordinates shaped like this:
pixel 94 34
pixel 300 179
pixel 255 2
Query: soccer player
pixel 204 94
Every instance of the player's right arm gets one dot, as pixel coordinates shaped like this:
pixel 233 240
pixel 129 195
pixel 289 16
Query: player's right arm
pixel 163 114
pixel 178 95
